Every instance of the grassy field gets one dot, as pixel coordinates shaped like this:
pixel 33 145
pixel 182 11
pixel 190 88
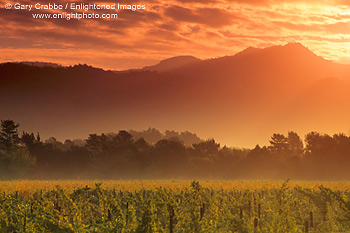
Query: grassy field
pixel 174 206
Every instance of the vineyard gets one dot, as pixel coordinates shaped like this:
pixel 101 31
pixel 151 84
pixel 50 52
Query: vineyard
pixel 112 206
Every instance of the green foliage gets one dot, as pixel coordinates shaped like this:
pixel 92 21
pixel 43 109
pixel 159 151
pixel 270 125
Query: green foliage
pixel 17 162
pixel 8 135
pixel 193 209
pixel 126 155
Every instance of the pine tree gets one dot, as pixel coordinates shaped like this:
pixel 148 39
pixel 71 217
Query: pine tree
pixel 8 135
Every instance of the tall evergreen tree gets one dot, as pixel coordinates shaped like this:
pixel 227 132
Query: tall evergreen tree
pixel 8 135
pixel 279 143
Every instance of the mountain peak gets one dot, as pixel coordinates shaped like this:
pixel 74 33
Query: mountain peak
pixel 288 51
pixel 249 51
pixel 179 59
pixel 172 63
pixel 295 47
pixel 291 49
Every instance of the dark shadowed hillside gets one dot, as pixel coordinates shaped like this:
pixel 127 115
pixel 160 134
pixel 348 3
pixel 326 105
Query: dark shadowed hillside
pixel 173 63
pixel 240 100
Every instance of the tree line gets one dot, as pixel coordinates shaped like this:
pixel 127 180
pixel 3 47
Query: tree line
pixel 128 155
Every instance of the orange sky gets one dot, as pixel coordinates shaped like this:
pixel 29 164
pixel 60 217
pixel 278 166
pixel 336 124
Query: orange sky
pixel 202 28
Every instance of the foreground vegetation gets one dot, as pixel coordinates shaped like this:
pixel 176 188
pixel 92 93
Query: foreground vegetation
pixel 157 206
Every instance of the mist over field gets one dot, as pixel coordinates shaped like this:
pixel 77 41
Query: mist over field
pixel 150 154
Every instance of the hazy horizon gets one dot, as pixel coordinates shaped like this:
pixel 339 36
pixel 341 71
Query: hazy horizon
pixel 155 62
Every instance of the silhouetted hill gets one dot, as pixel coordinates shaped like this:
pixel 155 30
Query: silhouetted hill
pixel 248 51
pixel 172 63
pixel 238 99
pixel 41 64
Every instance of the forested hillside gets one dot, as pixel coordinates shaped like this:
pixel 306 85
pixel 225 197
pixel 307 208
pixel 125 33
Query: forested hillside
pixel 122 156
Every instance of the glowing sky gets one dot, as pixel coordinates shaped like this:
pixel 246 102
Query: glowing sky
pixel 202 28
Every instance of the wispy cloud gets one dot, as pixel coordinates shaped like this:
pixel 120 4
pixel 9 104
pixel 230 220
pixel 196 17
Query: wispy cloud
pixel 174 27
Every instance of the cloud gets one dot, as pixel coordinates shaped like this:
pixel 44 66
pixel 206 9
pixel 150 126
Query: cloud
pixel 213 17
pixel 333 28
pixel 202 28
pixel 338 28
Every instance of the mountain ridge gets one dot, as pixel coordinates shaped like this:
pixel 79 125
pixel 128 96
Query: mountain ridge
pixel 172 63
pixel 236 99
pixel 183 60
